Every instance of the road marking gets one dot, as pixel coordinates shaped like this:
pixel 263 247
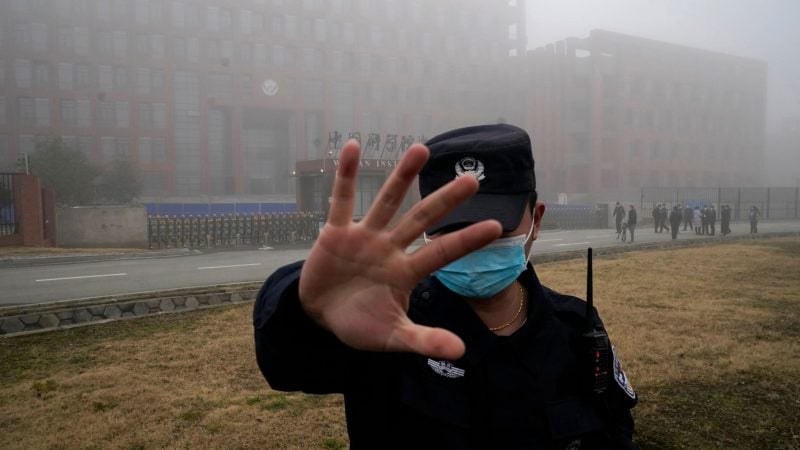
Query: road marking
pixel 227 267
pixel 85 276
pixel 600 235
pixel 572 243
pixel 548 240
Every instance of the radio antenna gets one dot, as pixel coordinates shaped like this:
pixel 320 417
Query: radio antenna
pixel 589 301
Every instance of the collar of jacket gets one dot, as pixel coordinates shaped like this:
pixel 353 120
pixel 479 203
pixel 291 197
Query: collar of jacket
pixel 437 306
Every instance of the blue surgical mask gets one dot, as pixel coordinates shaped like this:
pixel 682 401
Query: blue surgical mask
pixel 487 271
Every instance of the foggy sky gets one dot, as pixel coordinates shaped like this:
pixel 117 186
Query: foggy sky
pixel 761 29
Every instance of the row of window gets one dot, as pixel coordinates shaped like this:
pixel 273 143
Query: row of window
pixel 151 150
pixel 37 74
pixel 36 111
pixel 78 40
pixel 719 94
pixel 215 18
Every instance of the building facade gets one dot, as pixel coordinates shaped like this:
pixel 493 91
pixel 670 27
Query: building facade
pixel 612 113
pixel 227 98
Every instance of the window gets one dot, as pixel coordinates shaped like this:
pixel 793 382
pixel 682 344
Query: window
pixel 66 39
pixel 103 43
pixel 143 80
pixel 246 21
pixel 151 150
pixel 27 143
pixel 120 44
pixel 145 115
pixel 105 78
pixel 178 14
pixel 39 36
pixel 157 45
pixel 291 26
pixel 220 85
pixel 66 76
pixel 212 18
pixel 260 55
pixel 122 147
pixel 120 79
pixel 108 148
pixel 313 91
pixel 107 114
pixel 246 53
pixel 83 113
pixel 22 35
pixel 81 76
pixel 193 50
pixel 40 74
pixel 121 114
pixel 157 80
pixel 320 30
pixel 179 48
pixel 23 73
pixel 159 115
pixel 41 107
pixel 81 41
pixel 69 112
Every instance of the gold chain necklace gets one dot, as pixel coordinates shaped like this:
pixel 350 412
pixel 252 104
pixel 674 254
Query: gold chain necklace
pixel 522 299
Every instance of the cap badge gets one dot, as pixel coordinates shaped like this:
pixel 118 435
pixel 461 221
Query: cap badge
pixel 470 166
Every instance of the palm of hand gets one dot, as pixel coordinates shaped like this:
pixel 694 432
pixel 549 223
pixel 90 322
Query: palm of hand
pixel 358 277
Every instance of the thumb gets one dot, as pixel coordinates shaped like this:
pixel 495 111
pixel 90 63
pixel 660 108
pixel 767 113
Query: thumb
pixel 428 341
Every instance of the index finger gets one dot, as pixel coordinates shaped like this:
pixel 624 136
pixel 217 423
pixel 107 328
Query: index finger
pixel 340 211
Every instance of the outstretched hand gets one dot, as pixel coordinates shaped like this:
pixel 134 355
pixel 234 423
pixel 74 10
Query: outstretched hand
pixel 358 276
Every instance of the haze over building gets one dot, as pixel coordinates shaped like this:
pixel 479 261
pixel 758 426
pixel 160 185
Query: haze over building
pixel 254 97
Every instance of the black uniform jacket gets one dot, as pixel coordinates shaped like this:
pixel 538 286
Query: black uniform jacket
pixel 528 390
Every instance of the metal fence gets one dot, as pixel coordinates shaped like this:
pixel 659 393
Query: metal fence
pixel 8 219
pixel 204 209
pixel 772 202
pixel 231 230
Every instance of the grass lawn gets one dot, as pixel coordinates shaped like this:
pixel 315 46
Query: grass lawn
pixel 710 337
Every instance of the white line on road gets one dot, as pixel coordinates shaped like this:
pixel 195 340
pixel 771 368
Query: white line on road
pixel 85 276
pixel 572 243
pixel 548 240
pixel 226 267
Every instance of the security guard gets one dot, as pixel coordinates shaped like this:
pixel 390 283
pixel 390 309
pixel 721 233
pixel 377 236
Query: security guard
pixel 479 354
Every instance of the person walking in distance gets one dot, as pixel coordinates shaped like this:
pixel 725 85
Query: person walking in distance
pixel 632 218
pixel 753 215
pixel 656 213
pixel 675 221
pixel 619 216
pixel 712 220
pixel 688 215
pixel 725 223
pixel 697 219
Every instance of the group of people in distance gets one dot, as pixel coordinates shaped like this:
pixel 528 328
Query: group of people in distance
pixel 702 220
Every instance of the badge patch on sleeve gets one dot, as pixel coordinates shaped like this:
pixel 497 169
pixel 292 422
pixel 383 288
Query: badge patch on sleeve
pixel 620 377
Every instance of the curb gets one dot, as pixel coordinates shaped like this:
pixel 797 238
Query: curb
pixel 21 320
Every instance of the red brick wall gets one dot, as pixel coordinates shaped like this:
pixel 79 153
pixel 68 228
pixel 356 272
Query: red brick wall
pixel 32 205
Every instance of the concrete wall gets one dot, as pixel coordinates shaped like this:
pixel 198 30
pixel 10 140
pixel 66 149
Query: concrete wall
pixel 102 226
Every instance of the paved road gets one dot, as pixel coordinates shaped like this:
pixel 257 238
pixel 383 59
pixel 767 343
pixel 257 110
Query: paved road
pixel 44 283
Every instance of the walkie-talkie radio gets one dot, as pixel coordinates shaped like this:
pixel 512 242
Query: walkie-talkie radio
pixel 596 341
